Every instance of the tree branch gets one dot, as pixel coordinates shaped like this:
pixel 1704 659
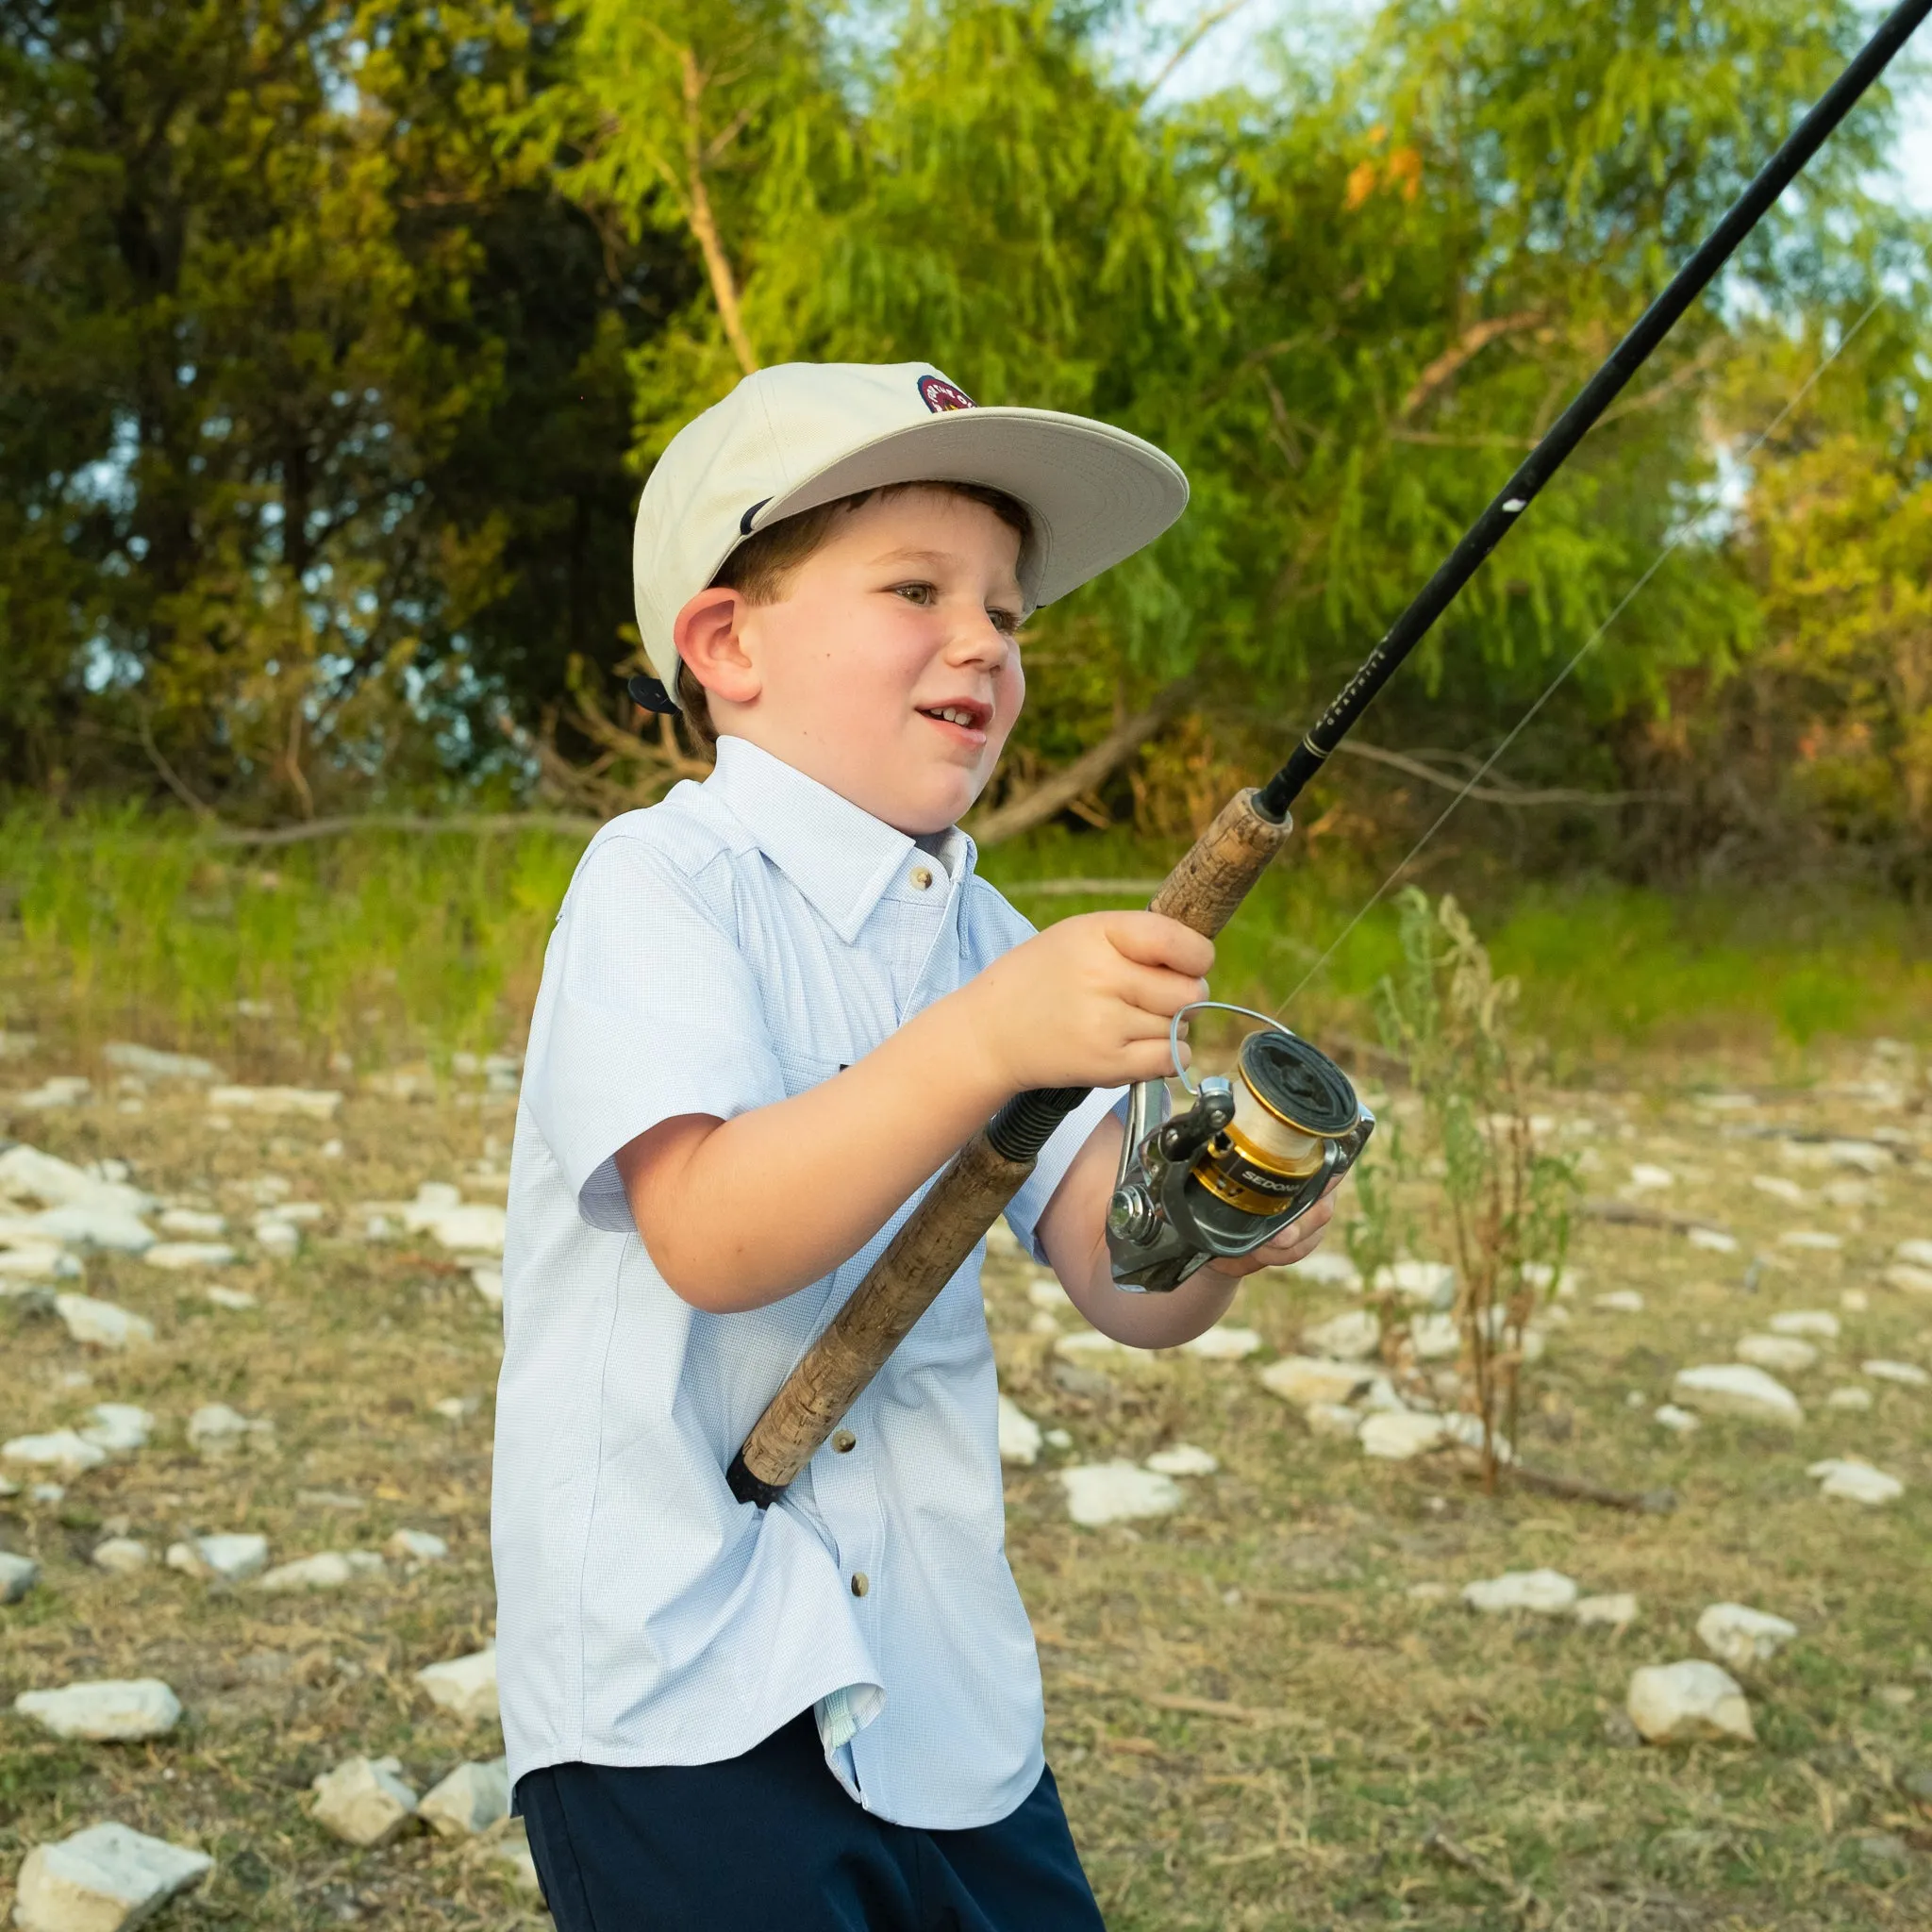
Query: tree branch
pixel 1470 344
pixel 704 226
pixel 1501 792
pixel 1055 793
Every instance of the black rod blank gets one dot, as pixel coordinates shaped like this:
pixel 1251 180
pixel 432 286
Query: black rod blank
pixel 1595 396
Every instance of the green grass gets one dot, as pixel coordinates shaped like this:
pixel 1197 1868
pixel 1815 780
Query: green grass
pixel 386 945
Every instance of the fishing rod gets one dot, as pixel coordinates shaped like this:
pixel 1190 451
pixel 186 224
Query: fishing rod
pixel 1256 1150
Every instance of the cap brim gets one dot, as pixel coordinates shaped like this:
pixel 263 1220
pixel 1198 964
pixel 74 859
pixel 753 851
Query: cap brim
pixel 1096 493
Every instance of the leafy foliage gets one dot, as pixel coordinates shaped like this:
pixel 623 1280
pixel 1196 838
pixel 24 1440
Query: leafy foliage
pixel 340 332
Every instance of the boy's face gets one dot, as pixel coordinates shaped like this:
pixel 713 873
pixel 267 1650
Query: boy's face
pixel 888 670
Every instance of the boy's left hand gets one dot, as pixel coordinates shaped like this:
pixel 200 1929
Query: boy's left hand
pixel 1293 1244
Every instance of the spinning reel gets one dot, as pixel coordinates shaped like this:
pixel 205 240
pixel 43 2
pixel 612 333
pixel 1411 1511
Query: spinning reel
pixel 1249 1158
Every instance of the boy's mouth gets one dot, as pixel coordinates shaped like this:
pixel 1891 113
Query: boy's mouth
pixel 963 719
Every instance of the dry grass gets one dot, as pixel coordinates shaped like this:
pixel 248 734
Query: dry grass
pixel 1254 1724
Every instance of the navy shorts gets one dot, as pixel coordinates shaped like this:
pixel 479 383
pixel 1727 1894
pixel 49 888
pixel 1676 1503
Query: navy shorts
pixel 770 1840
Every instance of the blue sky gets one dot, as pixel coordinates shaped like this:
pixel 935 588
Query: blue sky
pixel 1224 54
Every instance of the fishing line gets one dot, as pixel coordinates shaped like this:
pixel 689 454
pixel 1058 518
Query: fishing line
pixel 1670 545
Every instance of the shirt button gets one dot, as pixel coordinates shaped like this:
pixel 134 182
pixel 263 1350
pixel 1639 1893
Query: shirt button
pixel 922 876
pixel 861 1583
pixel 845 1441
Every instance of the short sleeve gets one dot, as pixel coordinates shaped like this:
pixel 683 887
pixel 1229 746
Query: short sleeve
pixel 648 1012
pixel 1024 1209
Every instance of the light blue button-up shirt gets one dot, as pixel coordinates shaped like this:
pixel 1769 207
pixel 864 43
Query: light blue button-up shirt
pixel 731 946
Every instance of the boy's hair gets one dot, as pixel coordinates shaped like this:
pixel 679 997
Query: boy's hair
pixel 759 568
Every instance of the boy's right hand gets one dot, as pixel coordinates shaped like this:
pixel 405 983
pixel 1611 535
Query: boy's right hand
pixel 1088 1001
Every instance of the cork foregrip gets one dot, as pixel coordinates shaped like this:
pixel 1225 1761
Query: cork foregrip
pixel 919 1260
pixel 1219 869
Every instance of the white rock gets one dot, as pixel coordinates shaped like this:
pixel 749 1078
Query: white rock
pixel 1713 1240
pixel 34 1261
pixel 191 1223
pixel 471 1799
pixel 1737 1389
pixel 1855 1301
pixel 1647 1175
pixel 1854 1194
pixel 1020 1436
pixel 1909 1279
pixel 1741 1636
pixel 327 1570
pixel 276 1237
pixel 1330 1270
pixel 1183 1458
pixel 26 1173
pixel 101 1324
pixel 1674 1704
pixel 1622 1301
pixel 1380 1398
pixel 215 1428
pixel 1224 1344
pixel 1542 1592
pixel 107 1878
pixel 1907 1374
pixel 1303 1380
pixel 1820 1325
pixel 1784 1352
pixel 455 1409
pixel 1618 1610
pixel 95 1224
pixel 1058 1438
pixel 416 1547
pixel 1853 1398
pixel 1812 1238
pixel 234 1298
pixel 363 1802
pixel 105 1712
pixel 317 1103
pixel 1101 1492
pixel 432 1198
pixel 1352 1336
pixel 233 1556
pixel 152 1064
pixel 296 1213
pixel 178 1256
pixel 1866 1155
pixel 489 1284
pixel 62 1450
pixel 466 1686
pixel 1396 1436
pixel 1916 1254
pixel 1332 1419
pixel 118 1427
pixel 1430 1283
pixel 1086 1342
pixel 18 1574
pixel 122 1555
pixel 1436 1337
pixel 1779 1188
pixel 1045 1292
pixel 57 1089
pixel 1670 1417
pixel 1853 1481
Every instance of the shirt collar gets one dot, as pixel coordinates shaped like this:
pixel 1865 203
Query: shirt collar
pixel 838 856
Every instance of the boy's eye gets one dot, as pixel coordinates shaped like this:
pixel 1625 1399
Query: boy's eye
pixel 1005 622
pixel 916 593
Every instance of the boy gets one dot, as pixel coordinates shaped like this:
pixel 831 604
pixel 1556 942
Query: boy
pixel 774 1004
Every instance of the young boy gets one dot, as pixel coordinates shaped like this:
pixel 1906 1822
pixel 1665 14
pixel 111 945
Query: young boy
pixel 772 1006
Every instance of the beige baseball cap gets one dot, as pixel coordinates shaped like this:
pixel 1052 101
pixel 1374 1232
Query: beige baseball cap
pixel 792 437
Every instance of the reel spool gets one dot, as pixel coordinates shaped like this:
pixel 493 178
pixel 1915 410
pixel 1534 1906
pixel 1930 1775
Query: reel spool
pixel 1252 1154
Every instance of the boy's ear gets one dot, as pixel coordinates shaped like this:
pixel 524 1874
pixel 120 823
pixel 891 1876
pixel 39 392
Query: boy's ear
pixel 706 634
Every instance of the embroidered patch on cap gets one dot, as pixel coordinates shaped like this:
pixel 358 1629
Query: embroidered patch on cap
pixel 939 396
